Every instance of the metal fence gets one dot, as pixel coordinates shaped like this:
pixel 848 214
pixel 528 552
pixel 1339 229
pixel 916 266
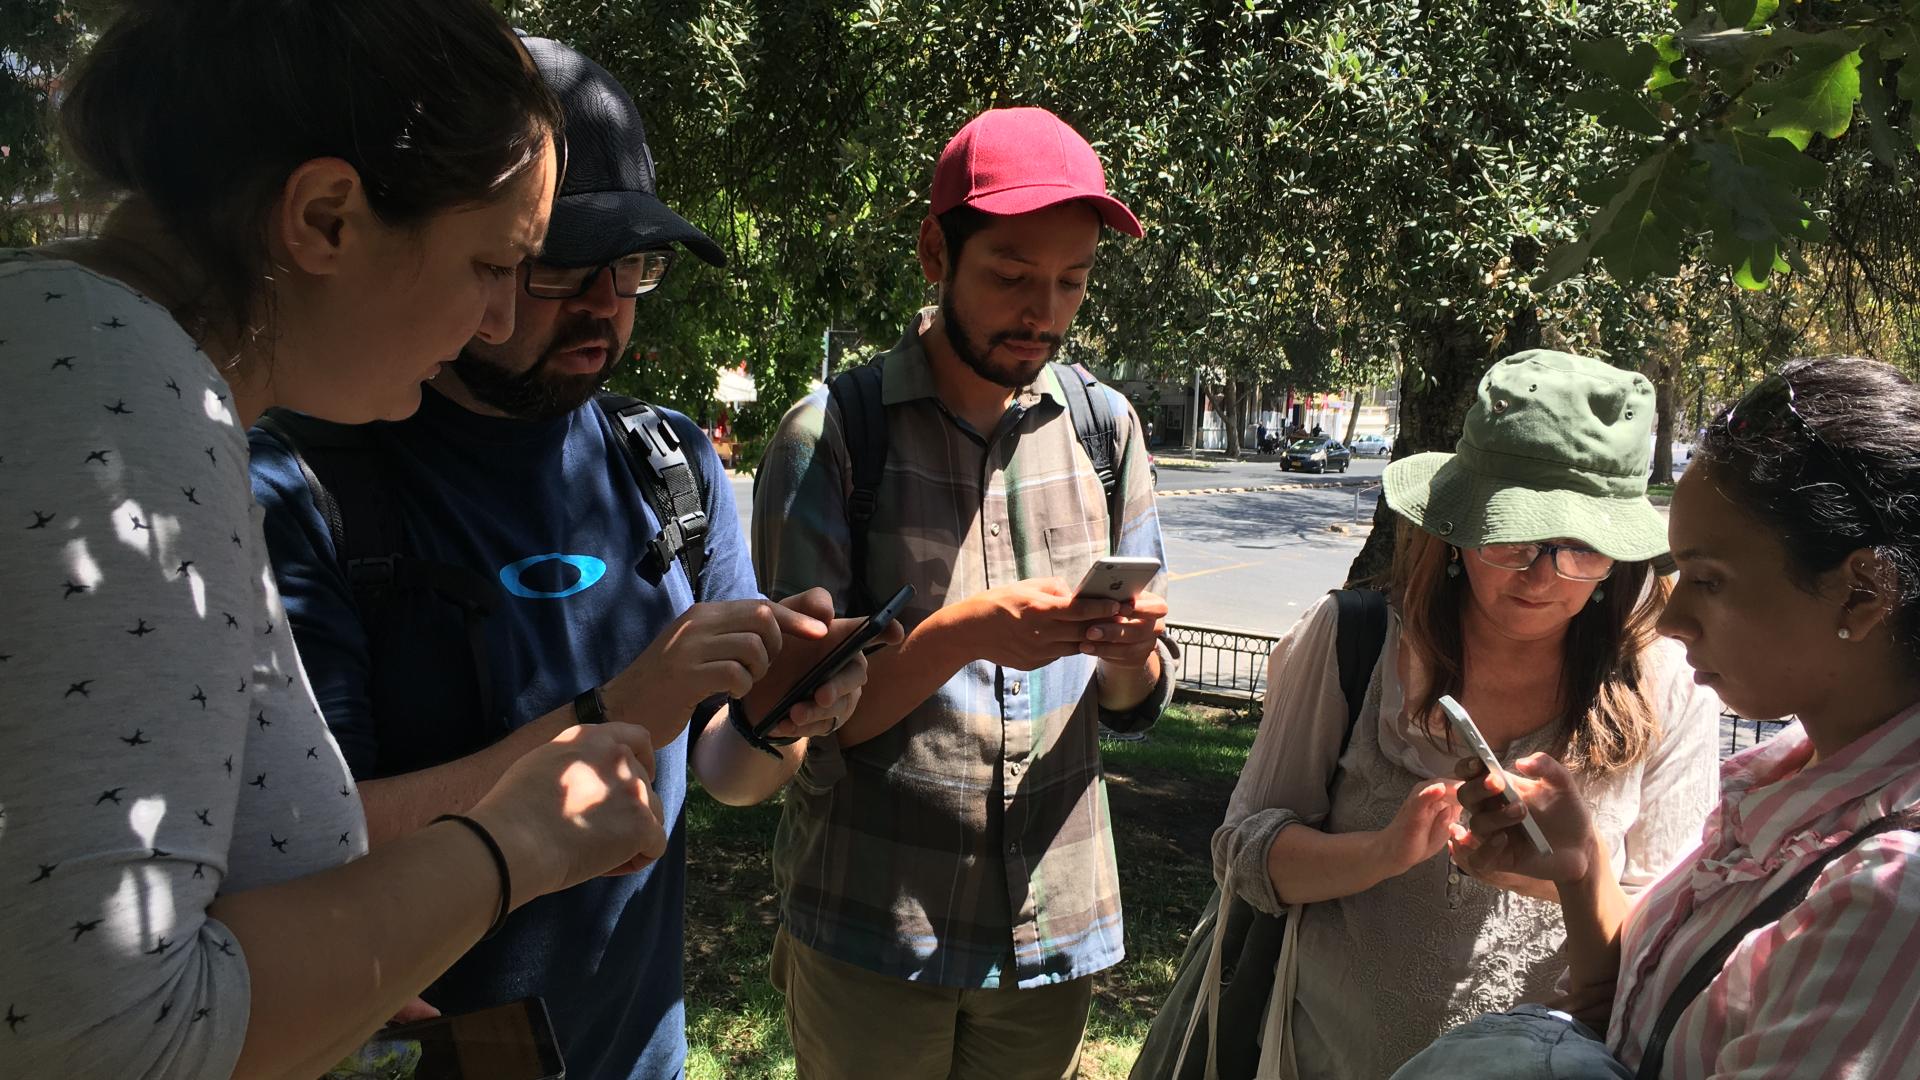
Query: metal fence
pixel 1228 668
pixel 1222 667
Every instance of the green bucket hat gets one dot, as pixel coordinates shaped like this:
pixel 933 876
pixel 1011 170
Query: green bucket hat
pixel 1555 445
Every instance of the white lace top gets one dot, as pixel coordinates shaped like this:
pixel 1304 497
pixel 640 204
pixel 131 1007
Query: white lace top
pixel 1384 972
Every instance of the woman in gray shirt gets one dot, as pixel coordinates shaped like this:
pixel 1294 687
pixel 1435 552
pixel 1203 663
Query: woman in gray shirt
pixel 316 219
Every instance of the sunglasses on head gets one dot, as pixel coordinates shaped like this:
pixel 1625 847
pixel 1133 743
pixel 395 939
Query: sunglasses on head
pixel 1772 399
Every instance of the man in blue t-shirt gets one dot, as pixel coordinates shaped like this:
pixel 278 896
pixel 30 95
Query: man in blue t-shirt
pixel 512 474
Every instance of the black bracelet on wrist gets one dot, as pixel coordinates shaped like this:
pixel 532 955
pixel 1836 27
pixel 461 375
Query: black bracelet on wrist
pixel 499 863
pixel 590 707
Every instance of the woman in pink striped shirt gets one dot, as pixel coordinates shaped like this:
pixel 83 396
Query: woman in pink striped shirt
pixel 1797 534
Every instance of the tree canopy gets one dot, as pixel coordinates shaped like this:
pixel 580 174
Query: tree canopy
pixel 1336 192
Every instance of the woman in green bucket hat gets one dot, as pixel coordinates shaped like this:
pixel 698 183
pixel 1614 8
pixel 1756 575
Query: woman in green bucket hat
pixel 1523 586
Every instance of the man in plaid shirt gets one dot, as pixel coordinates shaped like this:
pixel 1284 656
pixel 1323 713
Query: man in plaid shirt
pixel 946 869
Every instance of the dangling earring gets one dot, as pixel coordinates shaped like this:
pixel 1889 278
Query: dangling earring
pixel 1845 634
pixel 1453 563
pixel 1599 593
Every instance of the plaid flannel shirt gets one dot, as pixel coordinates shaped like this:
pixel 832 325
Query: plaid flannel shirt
pixel 970 844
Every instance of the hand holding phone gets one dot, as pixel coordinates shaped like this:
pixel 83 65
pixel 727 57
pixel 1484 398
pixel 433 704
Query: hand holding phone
pixel 775 695
pixel 1469 733
pixel 1117 577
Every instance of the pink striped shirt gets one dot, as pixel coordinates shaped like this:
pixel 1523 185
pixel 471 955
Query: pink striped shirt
pixel 1832 989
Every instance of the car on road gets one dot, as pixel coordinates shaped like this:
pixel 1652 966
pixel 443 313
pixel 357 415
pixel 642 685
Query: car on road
pixel 1371 446
pixel 1316 453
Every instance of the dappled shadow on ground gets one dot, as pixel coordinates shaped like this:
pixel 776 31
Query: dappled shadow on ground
pixel 1262 521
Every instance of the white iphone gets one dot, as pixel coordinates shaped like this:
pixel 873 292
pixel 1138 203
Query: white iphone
pixel 1117 577
pixel 1464 726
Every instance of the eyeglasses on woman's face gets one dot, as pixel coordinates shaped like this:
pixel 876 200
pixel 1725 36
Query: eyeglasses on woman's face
pixel 1570 561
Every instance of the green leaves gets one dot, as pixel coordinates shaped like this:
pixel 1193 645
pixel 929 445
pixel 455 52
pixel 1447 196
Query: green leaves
pixel 1817 93
pixel 1747 14
pixel 1736 98
pixel 1755 209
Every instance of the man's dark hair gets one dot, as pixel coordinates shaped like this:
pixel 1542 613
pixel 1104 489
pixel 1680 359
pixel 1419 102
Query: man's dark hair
pixel 1866 413
pixel 958 226
pixel 202 108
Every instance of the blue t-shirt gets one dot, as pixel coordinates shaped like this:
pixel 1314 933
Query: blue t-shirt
pixel 551 510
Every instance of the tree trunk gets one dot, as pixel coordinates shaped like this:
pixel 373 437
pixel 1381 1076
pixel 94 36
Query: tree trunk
pixel 1664 375
pixel 1445 358
pixel 1230 416
pixel 1353 415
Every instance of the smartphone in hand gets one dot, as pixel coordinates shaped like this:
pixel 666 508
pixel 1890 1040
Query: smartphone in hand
pixel 1469 733
pixel 1117 577
pixel 507 1042
pixel 848 638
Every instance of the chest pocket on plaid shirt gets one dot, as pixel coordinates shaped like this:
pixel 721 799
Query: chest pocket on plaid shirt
pixel 1072 548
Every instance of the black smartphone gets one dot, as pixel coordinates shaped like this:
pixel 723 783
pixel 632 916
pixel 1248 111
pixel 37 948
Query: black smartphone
pixel 507 1042
pixel 830 665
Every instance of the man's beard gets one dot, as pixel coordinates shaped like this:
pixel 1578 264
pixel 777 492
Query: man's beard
pixel 1013 375
pixel 536 393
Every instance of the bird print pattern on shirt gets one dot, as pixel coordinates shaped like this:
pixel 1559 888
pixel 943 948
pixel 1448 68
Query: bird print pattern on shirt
pixel 135 557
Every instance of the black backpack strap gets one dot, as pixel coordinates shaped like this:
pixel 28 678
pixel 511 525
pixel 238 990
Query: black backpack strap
pixel 863 421
pixel 671 484
pixel 1771 910
pixel 347 473
pixel 1360 634
pixel 1093 423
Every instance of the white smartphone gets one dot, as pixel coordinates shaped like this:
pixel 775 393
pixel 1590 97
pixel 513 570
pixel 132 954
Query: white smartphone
pixel 1464 726
pixel 1117 577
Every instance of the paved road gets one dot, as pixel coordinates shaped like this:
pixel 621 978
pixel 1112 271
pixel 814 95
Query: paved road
pixel 1248 561
pixel 1174 477
pixel 1255 561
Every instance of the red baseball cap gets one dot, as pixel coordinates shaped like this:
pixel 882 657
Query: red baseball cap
pixel 1016 161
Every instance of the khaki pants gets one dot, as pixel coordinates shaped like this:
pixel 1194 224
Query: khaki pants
pixel 848 1023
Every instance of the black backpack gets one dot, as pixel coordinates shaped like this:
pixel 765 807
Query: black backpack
pixel 863 415
pixel 345 469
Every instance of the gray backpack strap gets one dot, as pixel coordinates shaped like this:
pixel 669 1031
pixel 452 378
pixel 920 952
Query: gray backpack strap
pixel 1093 423
pixel 863 420
pixel 1360 634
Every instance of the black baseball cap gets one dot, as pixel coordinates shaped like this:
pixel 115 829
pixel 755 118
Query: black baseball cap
pixel 606 206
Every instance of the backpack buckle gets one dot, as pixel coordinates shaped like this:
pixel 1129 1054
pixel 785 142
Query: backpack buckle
pixel 861 505
pixel 693 524
pixel 675 537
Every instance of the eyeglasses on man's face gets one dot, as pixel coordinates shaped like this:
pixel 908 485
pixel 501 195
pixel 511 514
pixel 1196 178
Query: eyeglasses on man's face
pixel 633 275
pixel 1570 562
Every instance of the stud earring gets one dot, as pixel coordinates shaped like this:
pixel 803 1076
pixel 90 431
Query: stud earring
pixel 1845 634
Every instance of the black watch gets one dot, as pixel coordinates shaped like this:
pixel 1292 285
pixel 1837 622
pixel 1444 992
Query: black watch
pixel 590 707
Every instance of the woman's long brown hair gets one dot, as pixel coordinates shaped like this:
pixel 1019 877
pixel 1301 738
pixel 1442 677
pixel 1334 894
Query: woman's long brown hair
pixel 1603 675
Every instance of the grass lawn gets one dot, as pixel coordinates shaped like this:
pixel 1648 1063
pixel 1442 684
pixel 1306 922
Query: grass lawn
pixel 1167 795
